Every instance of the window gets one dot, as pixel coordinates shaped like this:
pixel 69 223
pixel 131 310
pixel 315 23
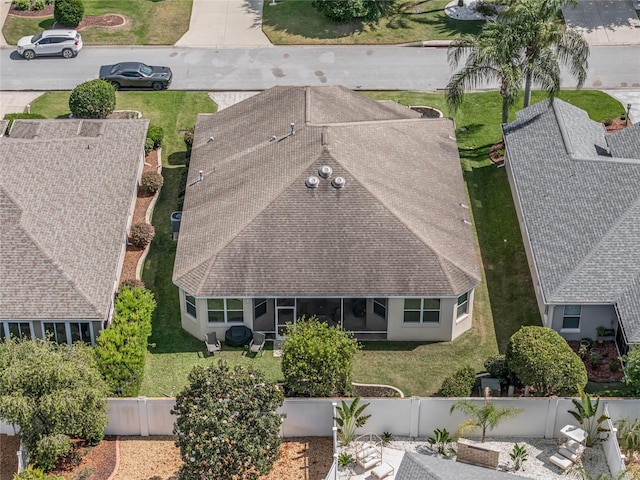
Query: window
pixel 571 318
pixel 222 310
pixel 1 333
pixel 260 307
pixel 463 305
pixel 421 310
pixel 17 329
pixel 190 305
pixel 67 332
pixel 380 307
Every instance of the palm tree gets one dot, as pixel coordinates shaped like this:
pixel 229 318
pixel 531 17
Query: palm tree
pixel 487 417
pixel 493 55
pixel 548 43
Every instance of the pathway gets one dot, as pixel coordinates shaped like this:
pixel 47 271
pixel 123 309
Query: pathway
pixel 605 22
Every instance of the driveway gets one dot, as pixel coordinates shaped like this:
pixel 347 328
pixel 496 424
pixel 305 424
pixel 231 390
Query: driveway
pixel 605 22
pixel 16 102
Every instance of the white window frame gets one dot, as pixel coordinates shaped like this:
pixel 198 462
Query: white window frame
pixel 67 329
pixel 461 316
pixel 5 326
pixel 227 312
pixel 422 311
pixel 259 302
pixel 384 306
pixel 187 303
pixel 564 315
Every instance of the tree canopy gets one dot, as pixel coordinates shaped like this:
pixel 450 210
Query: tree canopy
pixel 317 359
pixel 227 423
pixel 54 393
pixel 540 357
pixel 343 11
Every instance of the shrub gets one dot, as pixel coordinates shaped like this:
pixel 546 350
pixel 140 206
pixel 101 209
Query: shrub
pixel 631 369
pixel 188 137
pixel 156 134
pixel 20 116
pixel 317 359
pixel 142 234
pixel 93 99
pixel 151 181
pixel 595 360
pixel 343 11
pixel 540 357
pixel 460 384
pixel 148 145
pixel 49 449
pixel 38 5
pixel 22 4
pixel 131 283
pixel 350 418
pixel 227 423
pixel 35 474
pixel 345 460
pixel 607 122
pixel 486 9
pixel 496 365
pixel 68 13
pixel 614 366
pixel 120 349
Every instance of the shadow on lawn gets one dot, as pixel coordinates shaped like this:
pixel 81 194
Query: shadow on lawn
pixel 511 295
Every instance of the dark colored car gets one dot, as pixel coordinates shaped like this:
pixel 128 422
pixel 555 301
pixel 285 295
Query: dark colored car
pixel 136 74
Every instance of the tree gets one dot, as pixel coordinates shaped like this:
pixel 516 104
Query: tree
pixel 121 348
pixel 349 419
pixel 493 55
pixel 486 417
pixel 631 368
pixel 344 11
pixel 93 99
pixel 585 413
pixel 317 359
pixel 54 393
pixel 227 423
pixel 68 12
pixel 548 43
pixel 540 357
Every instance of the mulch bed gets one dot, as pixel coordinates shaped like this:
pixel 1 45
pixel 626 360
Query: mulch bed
pixel 9 445
pixel 374 391
pixel 91 463
pixel 108 20
pixel 608 353
pixel 133 254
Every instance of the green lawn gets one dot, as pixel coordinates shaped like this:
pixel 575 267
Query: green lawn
pixel 149 22
pixel 504 301
pixel 296 22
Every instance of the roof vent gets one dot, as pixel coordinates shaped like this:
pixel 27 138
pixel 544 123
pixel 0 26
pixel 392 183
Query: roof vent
pixel 292 127
pixel 338 182
pixel 312 182
pixel 325 171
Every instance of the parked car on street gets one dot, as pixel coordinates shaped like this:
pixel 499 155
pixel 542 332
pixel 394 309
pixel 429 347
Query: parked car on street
pixel 136 74
pixel 50 42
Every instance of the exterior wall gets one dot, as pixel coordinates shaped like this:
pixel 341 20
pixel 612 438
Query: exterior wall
pixel 464 323
pixel 527 247
pixel 442 332
pixel 592 316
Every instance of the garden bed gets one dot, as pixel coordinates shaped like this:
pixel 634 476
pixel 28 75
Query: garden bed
pixel 607 368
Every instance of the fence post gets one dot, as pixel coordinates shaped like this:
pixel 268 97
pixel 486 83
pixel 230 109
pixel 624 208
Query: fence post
pixel 552 415
pixel 414 421
pixel 144 416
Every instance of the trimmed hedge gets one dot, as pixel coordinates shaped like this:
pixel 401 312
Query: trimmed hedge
pixel 68 13
pixel 142 234
pixel 157 135
pixel 460 384
pixel 121 349
pixel 93 99
pixel 151 181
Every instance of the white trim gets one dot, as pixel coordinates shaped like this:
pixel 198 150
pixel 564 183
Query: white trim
pixel 226 311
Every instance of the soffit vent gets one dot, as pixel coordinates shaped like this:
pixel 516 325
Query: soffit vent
pixel 325 171
pixel 312 182
pixel 338 182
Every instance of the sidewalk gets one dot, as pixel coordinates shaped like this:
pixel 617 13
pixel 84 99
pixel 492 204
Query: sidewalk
pixel 225 23
pixel 16 102
pixel 5 5
pixel 604 22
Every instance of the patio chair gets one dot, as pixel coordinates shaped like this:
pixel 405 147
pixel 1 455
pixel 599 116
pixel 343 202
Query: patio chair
pixel 212 342
pixel 257 343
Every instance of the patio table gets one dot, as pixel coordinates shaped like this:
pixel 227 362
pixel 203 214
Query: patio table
pixel 574 433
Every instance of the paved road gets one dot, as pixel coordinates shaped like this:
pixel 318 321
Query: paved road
pixel 393 68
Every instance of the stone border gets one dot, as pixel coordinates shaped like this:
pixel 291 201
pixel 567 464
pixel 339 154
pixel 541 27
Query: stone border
pixel 147 218
pixel 378 385
pixel 117 465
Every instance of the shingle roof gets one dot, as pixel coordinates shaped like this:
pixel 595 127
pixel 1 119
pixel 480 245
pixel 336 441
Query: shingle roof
pixel 3 127
pixel 252 227
pixel 578 190
pixel 415 466
pixel 66 187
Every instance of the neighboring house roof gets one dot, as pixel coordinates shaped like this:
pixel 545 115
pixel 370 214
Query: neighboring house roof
pixel 3 127
pixel 66 188
pixel 577 187
pixel 415 466
pixel 400 226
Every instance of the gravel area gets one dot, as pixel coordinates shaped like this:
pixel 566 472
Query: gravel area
pixel 536 467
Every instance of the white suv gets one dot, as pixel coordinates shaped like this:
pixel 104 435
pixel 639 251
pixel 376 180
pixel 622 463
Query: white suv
pixel 50 42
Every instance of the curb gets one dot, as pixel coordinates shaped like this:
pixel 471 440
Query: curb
pixel 147 217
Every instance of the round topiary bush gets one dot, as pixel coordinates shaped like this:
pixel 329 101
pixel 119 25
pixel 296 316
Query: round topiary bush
pixel 68 13
pixel 142 234
pixel 460 384
pixel 151 181
pixel 148 145
pixel 156 134
pixel 93 99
